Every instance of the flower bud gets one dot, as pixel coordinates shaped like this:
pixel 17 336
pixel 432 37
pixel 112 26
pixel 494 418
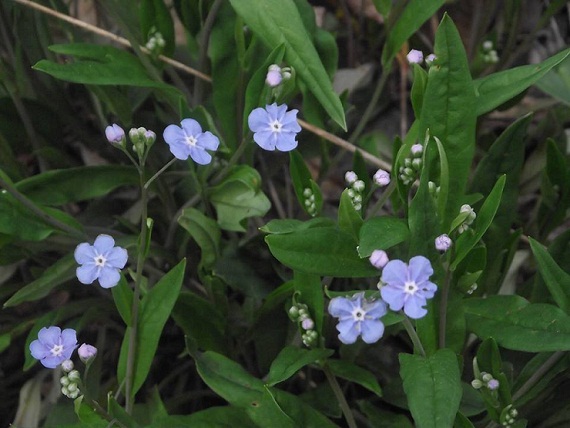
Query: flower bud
pixel 307 192
pixel 274 76
pixel 358 185
pixel 350 177
pixel 307 324
pixel 115 134
pixel 417 150
pixel 67 366
pixel 415 56
pixel 430 59
pixel 487 45
pixel 443 243
pixel 86 352
pixel 477 384
pixel 64 381
pixel 378 259
pixel 74 376
pixel 493 384
pixel 381 178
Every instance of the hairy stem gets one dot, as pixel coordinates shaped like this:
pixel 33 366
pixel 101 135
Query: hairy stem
pixel 339 396
pixel 414 336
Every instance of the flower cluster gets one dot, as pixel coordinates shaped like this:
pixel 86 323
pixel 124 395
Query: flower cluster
pixel 412 165
pixel 469 215
pixel 155 42
pixel 189 140
pixel 417 57
pixel 310 203
pixel 274 128
pixel 275 75
pixel 70 380
pixel 299 313
pixel 100 261
pixel 485 380
pixel 490 55
pixel 508 416
pixel 355 189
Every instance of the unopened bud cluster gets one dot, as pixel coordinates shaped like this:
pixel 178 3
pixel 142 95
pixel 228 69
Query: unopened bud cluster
pixel 276 75
pixel 355 189
pixel 471 216
pixel 299 313
pixel 155 42
pixel 70 380
pixel 412 165
pixel 433 189
pixel 490 55
pixel 508 416
pixel 309 201
pixel 485 380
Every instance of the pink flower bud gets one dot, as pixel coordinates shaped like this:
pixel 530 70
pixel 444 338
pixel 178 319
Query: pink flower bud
pixel 274 76
pixel 307 324
pixel 443 243
pixel 86 352
pixel 381 178
pixel 415 56
pixel 114 133
pixel 378 259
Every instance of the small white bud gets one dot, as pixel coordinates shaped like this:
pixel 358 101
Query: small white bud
pixel 378 259
pixel 415 56
pixel 350 177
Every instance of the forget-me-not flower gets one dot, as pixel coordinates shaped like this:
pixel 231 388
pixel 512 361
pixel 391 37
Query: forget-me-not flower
pixel 408 286
pixel 101 261
pixel 53 346
pixel 358 316
pixel 274 127
pixel 189 140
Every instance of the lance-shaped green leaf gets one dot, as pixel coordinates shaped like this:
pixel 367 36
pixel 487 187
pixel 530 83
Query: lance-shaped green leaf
pixel 557 280
pixel 433 387
pixel 278 22
pixel 205 232
pixel 155 310
pixel 291 359
pixel 381 233
pixel 517 324
pixel 497 88
pixel 449 111
pixel 356 374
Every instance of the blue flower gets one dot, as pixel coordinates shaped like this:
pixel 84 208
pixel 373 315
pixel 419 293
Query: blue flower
pixel 189 140
pixel 53 346
pixel 101 261
pixel 358 316
pixel 274 127
pixel 408 287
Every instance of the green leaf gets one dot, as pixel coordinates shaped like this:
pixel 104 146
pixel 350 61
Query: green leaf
pixel 418 89
pixel 119 414
pixel 239 197
pixel 433 387
pixel 291 359
pixel 484 218
pixel 449 111
pixel 381 233
pixel 59 187
pixel 292 225
pixel 155 309
pixel 61 271
pixel 353 373
pixel 205 232
pixel 518 325
pixel 277 22
pixel 212 417
pixel 123 297
pixel 320 251
pixel 100 65
pixel 381 418
pixel 349 220
pixel 414 15
pixel 88 417
pixel 497 88
pixel 556 83
pixel 557 280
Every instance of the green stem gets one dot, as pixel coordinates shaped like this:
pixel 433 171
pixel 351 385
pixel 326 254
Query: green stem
pixel 129 378
pixel 372 104
pixel 103 413
pixel 339 396
pixel 235 157
pixel 160 171
pixel 382 200
pixel 414 336
pixel 443 308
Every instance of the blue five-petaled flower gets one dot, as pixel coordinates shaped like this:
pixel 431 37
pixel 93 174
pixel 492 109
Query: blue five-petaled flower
pixel 274 127
pixel 358 316
pixel 101 261
pixel 53 346
pixel 408 286
pixel 189 140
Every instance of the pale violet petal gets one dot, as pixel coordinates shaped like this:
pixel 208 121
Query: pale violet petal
pixel 265 139
pixel 180 150
pixel 420 269
pixel 395 273
pixel 348 331
pixel 173 133
pixel 286 141
pixel 69 338
pixel 208 141
pixel 393 296
pixel 52 362
pixel 200 156
pixel 84 253
pixel 376 309
pixel 103 243
pixel 340 307
pixel 49 336
pixel 258 120
pixel 290 121
pixel 109 277
pixel 117 257
pixel 273 111
pixel 191 127
pixel 413 307
pixel 427 289
pixel 372 330
pixel 86 274
pixel 38 350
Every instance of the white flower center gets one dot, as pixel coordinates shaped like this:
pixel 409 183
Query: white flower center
pixel 358 314
pixel 57 350
pixel 191 140
pixel 100 260
pixel 275 126
pixel 410 287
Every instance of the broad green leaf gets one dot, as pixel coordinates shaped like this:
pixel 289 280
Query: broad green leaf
pixel 433 387
pixel 205 232
pixel 277 22
pixel 556 83
pixel 448 111
pixel 59 187
pixel 291 359
pixel 414 15
pixel 381 233
pixel 289 225
pixel 517 324
pixel 497 88
pixel 155 309
pixel 356 374
pixel 382 418
pixel 239 197
pixel 212 417
pixel 100 65
pixel 119 414
pixel 484 218
pixel 462 422
pixel 88 417
pixel 61 271
pixel 349 219
pixel 320 251
pixel 557 280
